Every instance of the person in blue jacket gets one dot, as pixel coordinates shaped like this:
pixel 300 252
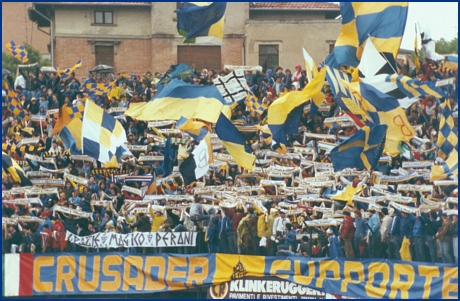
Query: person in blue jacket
pixel 334 244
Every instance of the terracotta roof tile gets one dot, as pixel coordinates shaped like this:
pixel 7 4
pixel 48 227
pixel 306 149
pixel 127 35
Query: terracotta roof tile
pixel 294 6
pixel 98 3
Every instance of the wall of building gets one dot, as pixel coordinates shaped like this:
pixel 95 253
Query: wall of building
pixel 78 21
pixel 288 15
pixel 291 36
pixel 16 26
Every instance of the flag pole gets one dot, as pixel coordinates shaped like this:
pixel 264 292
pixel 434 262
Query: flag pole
pixel 190 53
pixel 380 51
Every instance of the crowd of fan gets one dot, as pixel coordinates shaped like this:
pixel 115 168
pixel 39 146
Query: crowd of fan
pixel 244 229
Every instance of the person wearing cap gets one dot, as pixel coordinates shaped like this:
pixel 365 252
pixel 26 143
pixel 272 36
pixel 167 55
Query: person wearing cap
pixel 406 226
pixel 348 233
pixel 445 238
pixel 373 233
pixel 229 181
pixel 334 243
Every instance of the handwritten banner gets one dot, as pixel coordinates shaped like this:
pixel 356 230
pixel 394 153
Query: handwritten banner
pixel 134 239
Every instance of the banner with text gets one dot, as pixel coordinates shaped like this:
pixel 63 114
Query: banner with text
pixel 134 239
pixel 74 274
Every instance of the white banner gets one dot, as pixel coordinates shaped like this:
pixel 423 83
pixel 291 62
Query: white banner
pixel 135 239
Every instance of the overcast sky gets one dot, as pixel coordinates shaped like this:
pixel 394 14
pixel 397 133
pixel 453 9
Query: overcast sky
pixel 441 18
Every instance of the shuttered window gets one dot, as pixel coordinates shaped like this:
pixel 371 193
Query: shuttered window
pixel 104 55
pixel 208 57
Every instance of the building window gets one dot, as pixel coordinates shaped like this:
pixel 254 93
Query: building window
pixel 268 56
pixel 103 17
pixel 331 47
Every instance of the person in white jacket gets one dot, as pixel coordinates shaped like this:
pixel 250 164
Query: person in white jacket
pixel 279 225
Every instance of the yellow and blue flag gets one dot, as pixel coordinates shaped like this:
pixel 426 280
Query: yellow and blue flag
pixel 285 112
pixel 446 169
pixel 447 138
pixel 310 66
pixel 103 137
pixel 102 89
pixel 362 150
pixel 384 109
pixel 196 129
pixel 14 105
pixel 417 56
pixel 71 136
pixel 415 88
pixel 255 106
pixel 176 71
pixel 383 21
pixel 201 19
pixel 76 111
pixel 64 73
pixel 234 142
pixel 18 52
pixel 346 100
pixel 180 99
pixel 450 62
pixel 11 167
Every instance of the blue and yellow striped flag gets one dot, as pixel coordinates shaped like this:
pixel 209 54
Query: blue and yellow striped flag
pixel 447 138
pixel 362 150
pixel 201 19
pixel 14 105
pixel 383 21
pixel 415 88
pixel 446 169
pixel 384 109
pixel 64 73
pixel 76 111
pixel 18 52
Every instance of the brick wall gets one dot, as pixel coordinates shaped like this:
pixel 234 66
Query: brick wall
pixel 164 54
pixel 133 56
pixel 232 51
pixel 16 26
pixel 69 50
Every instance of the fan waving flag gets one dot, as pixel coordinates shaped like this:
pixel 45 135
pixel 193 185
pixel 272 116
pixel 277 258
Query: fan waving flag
pixel 234 142
pixel 196 165
pixel 384 109
pixel 63 74
pixel 176 71
pixel 447 138
pixel 11 167
pixel 14 105
pixel 362 150
pixel 233 86
pixel 18 52
pixel 102 89
pixel 384 21
pixel 103 137
pixel 196 20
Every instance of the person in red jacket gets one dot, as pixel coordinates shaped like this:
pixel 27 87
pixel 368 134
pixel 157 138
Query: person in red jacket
pixel 48 247
pixel 347 233
pixel 59 242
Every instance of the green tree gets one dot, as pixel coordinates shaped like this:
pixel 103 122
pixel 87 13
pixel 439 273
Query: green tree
pixel 447 47
pixel 11 63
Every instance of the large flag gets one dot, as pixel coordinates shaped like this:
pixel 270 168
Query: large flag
pixel 64 73
pixel 66 114
pixel 233 86
pixel 101 89
pixel 446 169
pixel 14 105
pixel 180 99
pixel 383 21
pixel 201 19
pixel 384 109
pixel 103 137
pixel 196 165
pixel 372 62
pixel 176 71
pixel 234 142
pixel 310 66
pixel 71 136
pixel 285 112
pixel 362 150
pixel 255 106
pixel 447 137
pixel 18 52
pixel 415 88
pixel 11 167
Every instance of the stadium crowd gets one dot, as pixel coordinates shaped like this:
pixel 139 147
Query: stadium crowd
pixel 230 208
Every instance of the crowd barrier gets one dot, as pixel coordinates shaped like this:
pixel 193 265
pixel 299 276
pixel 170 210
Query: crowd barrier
pixel 74 274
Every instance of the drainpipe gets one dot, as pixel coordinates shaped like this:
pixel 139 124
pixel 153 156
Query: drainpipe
pixel 51 33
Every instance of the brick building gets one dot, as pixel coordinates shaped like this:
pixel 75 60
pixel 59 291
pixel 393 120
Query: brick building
pixel 135 37
pixel 16 26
